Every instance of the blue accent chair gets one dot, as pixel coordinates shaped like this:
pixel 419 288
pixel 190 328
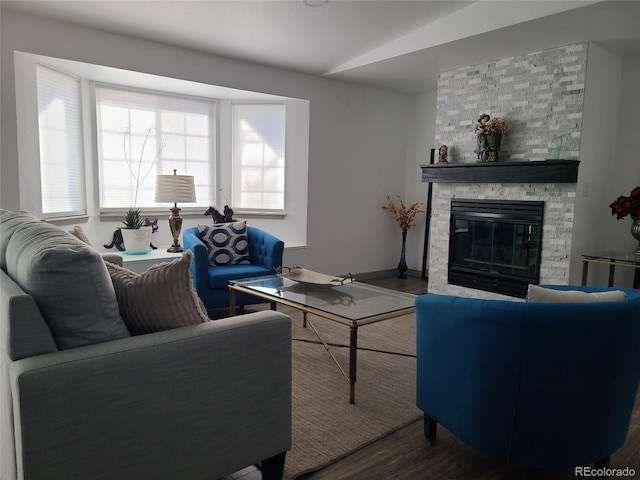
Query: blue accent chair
pixel 540 385
pixel 212 283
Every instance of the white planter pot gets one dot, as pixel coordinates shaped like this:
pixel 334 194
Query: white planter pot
pixel 136 241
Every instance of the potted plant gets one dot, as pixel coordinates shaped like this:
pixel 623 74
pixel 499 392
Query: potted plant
pixel 135 236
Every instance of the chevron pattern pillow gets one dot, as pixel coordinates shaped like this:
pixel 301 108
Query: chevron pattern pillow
pixel 227 243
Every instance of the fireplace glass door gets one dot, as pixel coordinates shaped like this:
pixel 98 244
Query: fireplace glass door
pixel 495 245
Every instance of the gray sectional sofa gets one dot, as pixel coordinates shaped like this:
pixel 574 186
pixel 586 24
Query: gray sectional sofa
pixel 83 399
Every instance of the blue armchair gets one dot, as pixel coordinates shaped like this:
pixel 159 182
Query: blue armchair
pixel 542 385
pixel 212 283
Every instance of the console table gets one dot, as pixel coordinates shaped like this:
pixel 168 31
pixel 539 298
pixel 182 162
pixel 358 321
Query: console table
pixel 613 259
pixel 141 263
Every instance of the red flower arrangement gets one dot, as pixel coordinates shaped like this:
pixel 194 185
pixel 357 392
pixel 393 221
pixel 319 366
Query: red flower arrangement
pixel 630 205
pixel 403 215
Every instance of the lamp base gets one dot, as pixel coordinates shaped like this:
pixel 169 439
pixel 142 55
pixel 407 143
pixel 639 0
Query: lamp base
pixel 175 224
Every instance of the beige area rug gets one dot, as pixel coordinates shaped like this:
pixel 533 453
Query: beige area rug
pixel 326 427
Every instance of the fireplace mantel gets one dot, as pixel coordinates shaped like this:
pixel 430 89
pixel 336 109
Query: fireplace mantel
pixel 544 171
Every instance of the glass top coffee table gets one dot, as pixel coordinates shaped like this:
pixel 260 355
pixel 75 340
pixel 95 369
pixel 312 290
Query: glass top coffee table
pixel 352 304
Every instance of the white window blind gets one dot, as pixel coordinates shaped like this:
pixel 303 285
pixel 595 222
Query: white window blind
pixel 62 173
pixel 141 135
pixel 258 156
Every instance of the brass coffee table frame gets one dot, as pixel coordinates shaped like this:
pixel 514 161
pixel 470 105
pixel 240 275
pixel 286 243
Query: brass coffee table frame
pixel 352 324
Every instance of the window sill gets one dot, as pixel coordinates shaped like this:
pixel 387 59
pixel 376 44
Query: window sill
pixel 258 214
pixel 188 212
pixel 67 220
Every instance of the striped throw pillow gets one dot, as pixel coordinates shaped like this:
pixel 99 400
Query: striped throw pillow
pixel 161 298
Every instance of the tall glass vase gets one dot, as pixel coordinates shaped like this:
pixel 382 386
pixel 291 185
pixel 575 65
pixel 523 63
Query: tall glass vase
pixel 402 265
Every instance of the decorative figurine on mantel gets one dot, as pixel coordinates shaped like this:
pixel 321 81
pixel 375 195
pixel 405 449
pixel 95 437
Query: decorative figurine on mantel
pixel 482 148
pixel 443 155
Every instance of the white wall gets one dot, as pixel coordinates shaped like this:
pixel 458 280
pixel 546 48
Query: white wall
pixel 357 145
pixel 421 128
pixel 620 163
pixel 609 161
pixel 597 146
pixel 627 155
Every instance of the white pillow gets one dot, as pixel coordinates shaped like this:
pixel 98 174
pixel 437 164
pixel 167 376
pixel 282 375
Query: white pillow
pixel 541 294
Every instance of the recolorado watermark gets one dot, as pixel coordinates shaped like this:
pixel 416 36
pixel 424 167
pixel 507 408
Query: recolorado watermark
pixel 604 472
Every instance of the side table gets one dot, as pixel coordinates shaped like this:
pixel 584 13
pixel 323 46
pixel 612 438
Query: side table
pixel 612 259
pixel 141 263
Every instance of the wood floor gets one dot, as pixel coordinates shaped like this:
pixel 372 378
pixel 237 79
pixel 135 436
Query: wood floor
pixel 407 455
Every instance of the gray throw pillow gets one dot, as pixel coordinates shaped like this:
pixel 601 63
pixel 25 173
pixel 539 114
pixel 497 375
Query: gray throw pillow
pixel 10 221
pixel 69 282
pixel 78 232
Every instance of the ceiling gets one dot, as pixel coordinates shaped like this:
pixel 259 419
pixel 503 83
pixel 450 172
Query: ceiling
pixel 395 44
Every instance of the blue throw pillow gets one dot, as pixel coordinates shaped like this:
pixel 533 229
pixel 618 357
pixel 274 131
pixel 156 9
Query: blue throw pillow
pixel 227 243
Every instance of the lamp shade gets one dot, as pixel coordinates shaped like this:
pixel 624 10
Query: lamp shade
pixel 175 189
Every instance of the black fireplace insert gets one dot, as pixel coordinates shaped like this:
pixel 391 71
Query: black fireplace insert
pixel 495 245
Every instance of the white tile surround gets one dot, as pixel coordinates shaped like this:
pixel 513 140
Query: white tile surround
pixel 556 232
pixel 541 95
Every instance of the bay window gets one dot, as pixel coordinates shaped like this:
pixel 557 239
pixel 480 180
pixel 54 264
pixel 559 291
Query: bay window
pixel 62 178
pixel 258 156
pixel 141 135
pixel 92 138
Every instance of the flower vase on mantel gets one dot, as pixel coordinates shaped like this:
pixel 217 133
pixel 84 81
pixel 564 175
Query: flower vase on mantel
pixel 493 141
pixel 402 265
pixel 635 231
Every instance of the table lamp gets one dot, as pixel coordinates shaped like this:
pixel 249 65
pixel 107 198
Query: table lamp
pixel 173 189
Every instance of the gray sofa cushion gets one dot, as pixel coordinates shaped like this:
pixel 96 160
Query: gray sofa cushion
pixel 10 221
pixel 69 282
pixel 23 331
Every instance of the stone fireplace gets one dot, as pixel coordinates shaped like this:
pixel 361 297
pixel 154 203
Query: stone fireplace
pixel 552 184
pixel 541 95
pixel 557 225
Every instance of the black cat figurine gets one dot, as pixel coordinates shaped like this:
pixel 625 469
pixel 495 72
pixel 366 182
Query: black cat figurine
pixel 118 242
